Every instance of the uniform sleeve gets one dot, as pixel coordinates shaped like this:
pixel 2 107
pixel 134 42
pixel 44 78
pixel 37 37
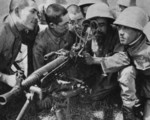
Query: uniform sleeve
pixel 115 62
pixel 38 53
pixel 2 38
pixel 8 79
pixel 3 44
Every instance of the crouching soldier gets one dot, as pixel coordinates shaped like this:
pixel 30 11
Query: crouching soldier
pixel 113 58
pixel 104 38
pixel 130 26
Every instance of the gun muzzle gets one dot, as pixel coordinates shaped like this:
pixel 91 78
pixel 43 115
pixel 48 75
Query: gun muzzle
pixel 32 79
pixel 4 98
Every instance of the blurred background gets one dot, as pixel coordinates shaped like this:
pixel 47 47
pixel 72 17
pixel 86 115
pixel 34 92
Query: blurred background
pixel 145 4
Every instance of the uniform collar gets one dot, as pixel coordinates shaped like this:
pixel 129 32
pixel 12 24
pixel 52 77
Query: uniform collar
pixel 55 39
pixel 138 42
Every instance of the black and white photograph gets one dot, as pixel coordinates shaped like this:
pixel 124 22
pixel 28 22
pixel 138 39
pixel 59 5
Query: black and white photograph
pixel 74 59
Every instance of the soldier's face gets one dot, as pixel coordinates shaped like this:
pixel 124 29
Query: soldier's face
pixel 99 27
pixel 127 35
pixel 28 15
pixel 62 27
pixel 76 21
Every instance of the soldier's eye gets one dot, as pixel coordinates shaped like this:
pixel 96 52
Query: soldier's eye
pixel 119 27
pixel 94 25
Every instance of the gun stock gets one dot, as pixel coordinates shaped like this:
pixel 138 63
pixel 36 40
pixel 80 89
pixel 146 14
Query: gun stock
pixel 33 78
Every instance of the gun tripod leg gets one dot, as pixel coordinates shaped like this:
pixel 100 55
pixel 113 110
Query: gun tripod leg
pixel 33 89
pixel 25 106
pixel 68 109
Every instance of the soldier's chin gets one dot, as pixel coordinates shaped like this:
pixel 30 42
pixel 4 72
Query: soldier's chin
pixel 122 42
pixel 99 37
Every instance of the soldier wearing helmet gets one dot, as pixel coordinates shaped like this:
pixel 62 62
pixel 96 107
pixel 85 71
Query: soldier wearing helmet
pixel 118 61
pixel 123 4
pixel 133 45
pixel 99 18
pixel 131 23
pixel 104 38
pixel 84 4
pixel 147 31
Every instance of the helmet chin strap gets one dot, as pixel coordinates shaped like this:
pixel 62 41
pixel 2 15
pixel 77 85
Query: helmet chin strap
pixel 138 38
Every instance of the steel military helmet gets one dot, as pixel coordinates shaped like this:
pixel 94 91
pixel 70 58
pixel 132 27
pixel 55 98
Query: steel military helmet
pixel 127 3
pixel 133 17
pixel 86 2
pixel 99 10
pixel 147 30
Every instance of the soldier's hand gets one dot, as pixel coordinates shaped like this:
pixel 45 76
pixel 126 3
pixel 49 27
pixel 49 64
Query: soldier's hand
pixel 8 79
pixel 88 58
pixel 19 77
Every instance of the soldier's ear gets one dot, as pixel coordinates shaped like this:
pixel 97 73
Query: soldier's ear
pixel 17 11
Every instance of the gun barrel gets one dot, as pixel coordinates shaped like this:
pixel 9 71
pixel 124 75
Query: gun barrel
pixel 7 96
pixel 38 74
pixel 24 108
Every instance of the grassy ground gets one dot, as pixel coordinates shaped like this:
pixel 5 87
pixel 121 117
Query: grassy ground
pixel 76 108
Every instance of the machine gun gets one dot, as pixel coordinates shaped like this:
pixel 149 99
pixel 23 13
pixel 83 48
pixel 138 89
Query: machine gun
pixel 34 78
pixel 48 71
pixel 50 68
pixel 62 61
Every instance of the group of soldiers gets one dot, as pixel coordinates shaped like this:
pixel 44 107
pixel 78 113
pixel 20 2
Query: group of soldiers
pixel 116 43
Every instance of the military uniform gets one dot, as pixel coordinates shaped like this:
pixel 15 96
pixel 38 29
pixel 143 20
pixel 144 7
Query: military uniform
pixel 120 62
pixel 140 54
pixel 46 42
pixel 102 85
pixel 101 47
pixel 10 45
pixel 24 57
pixel 132 21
